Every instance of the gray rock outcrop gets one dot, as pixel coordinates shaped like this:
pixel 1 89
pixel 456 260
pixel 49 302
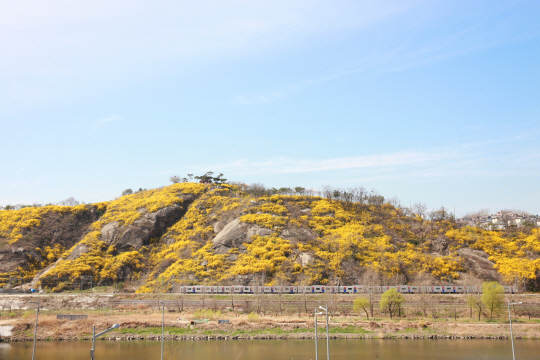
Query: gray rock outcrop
pixel 477 263
pixel 139 234
pixel 235 234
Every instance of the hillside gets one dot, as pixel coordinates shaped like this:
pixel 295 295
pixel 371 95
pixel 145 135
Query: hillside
pixel 192 233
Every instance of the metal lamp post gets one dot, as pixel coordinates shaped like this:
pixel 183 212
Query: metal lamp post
pixel 162 326
pixel 316 336
pixel 327 334
pixel 35 330
pixel 511 334
pixel 94 336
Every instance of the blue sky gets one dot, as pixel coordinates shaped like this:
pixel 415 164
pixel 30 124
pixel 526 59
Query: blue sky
pixel 429 101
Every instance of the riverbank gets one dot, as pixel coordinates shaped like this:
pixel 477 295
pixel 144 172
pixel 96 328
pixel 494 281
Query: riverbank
pixel 250 327
pixel 251 317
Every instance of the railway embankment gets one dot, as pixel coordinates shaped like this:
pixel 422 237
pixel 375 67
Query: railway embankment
pixel 250 317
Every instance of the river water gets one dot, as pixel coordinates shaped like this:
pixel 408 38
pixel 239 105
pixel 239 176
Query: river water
pixel 276 349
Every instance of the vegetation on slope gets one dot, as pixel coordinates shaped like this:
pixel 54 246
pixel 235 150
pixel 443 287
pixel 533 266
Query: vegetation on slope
pixel 13 223
pixel 344 240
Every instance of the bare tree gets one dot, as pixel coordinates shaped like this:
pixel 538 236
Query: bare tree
pixel 327 192
pixel 256 189
pixel 394 201
pixel 175 179
pixel 359 194
pixel 70 201
pixel 371 278
pixel 375 198
pixel 419 209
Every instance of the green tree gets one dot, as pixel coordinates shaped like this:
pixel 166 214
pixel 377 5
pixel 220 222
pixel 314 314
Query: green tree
pixel 492 297
pixel 391 300
pixel 361 303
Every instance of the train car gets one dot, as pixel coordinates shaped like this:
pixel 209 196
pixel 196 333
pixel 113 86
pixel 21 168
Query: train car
pixel 237 289
pixel 224 289
pixel 352 289
pixel 408 289
pixel 290 289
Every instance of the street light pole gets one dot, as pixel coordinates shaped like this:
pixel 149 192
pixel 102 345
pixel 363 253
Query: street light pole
pixel 162 326
pixel 511 334
pixel 35 330
pixel 327 333
pixel 316 336
pixel 94 336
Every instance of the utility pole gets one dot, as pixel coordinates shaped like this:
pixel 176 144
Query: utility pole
pixel 327 336
pixel 162 326
pixel 316 336
pixel 35 330
pixel 511 334
pixel 327 333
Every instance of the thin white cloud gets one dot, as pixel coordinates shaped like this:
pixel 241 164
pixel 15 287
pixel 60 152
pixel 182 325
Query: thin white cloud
pixel 398 56
pixel 109 119
pixel 102 121
pixel 291 166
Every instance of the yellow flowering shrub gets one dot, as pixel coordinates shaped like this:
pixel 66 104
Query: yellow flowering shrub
pixel 336 233
pixel 264 254
pixel 14 222
pixel 264 220
pixel 271 208
pixel 510 254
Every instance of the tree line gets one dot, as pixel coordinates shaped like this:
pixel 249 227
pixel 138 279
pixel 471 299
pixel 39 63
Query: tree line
pixel 489 304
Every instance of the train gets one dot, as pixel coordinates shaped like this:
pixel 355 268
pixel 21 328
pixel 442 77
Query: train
pixel 321 289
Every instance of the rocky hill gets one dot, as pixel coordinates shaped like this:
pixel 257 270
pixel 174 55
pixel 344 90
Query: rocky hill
pixel 191 233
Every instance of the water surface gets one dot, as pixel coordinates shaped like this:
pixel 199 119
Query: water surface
pixel 276 349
